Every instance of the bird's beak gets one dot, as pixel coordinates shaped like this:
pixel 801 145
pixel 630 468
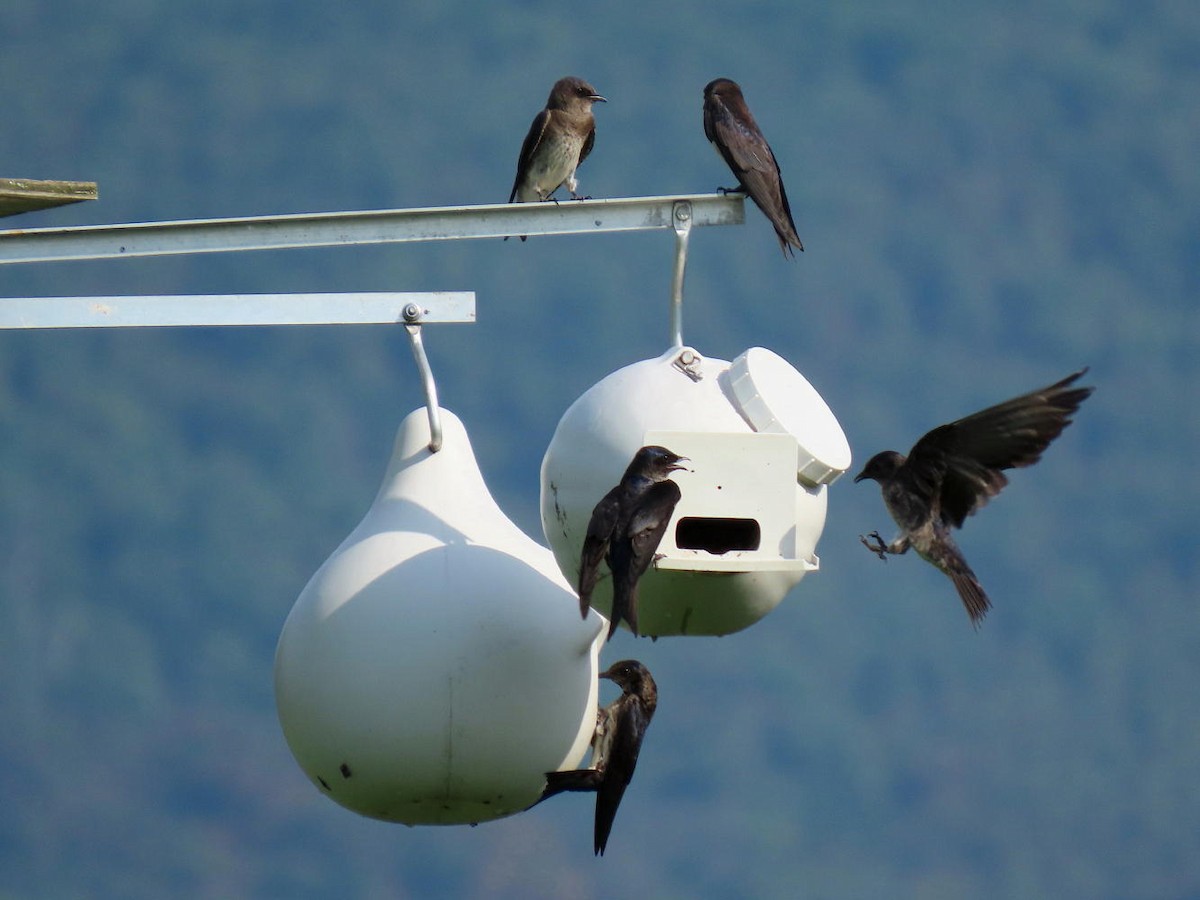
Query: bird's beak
pixel 596 98
pixel 859 477
pixel 676 467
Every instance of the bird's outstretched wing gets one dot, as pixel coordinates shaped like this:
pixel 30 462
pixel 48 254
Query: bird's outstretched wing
pixel 960 465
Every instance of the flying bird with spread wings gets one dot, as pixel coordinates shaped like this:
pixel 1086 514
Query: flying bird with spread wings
pixel 956 468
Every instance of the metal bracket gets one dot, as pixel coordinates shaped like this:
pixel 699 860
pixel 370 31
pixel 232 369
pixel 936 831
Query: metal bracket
pixel 690 363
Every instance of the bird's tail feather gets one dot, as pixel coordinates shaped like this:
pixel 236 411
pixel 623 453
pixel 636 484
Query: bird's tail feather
pixel 787 240
pixel 624 605
pixel 606 812
pixel 631 611
pixel 600 837
pixel 971 592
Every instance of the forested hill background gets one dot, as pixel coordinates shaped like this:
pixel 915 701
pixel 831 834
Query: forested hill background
pixel 991 195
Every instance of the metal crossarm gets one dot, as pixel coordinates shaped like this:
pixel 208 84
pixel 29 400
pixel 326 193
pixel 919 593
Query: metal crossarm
pixel 368 227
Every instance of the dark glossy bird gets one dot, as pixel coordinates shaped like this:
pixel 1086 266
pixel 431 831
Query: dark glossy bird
pixel 620 728
pixel 559 140
pixel 625 530
pixel 730 126
pixel 955 469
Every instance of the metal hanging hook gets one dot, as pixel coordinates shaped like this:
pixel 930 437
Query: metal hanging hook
pixel 681 220
pixel 412 324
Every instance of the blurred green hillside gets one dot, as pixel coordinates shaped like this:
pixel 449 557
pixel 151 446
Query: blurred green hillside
pixel 990 196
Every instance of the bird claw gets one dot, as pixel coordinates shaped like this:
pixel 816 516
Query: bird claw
pixel 879 548
pixel 575 196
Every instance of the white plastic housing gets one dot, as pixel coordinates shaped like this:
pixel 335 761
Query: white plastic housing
pixel 763 448
pixel 436 666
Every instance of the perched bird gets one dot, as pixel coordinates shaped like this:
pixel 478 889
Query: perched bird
pixel 620 727
pixel 625 530
pixel 731 128
pixel 560 138
pixel 956 468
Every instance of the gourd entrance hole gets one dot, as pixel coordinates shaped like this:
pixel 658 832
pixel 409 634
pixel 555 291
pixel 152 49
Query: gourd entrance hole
pixel 717 535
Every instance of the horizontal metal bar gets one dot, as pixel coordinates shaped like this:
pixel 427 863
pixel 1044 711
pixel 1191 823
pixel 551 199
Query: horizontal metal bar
pixel 368 227
pixel 236 309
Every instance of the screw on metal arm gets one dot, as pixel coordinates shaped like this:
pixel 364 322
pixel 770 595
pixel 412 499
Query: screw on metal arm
pixel 412 324
pixel 681 220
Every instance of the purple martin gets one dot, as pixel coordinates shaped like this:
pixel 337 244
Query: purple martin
pixel 620 727
pixel 559 140
pixel 730 126
pixel 625 530
pixel 955 469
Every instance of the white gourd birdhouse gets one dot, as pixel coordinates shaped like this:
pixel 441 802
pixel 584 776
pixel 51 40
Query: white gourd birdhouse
pixel 763 449
pixel 436 666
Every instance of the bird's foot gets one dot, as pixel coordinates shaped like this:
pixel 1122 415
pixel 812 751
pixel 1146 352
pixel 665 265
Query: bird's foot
pixel 575 196
pixel 879 548
pixel 732 190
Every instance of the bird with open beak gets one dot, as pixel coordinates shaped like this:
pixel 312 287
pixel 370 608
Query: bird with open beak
pixel 625 529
